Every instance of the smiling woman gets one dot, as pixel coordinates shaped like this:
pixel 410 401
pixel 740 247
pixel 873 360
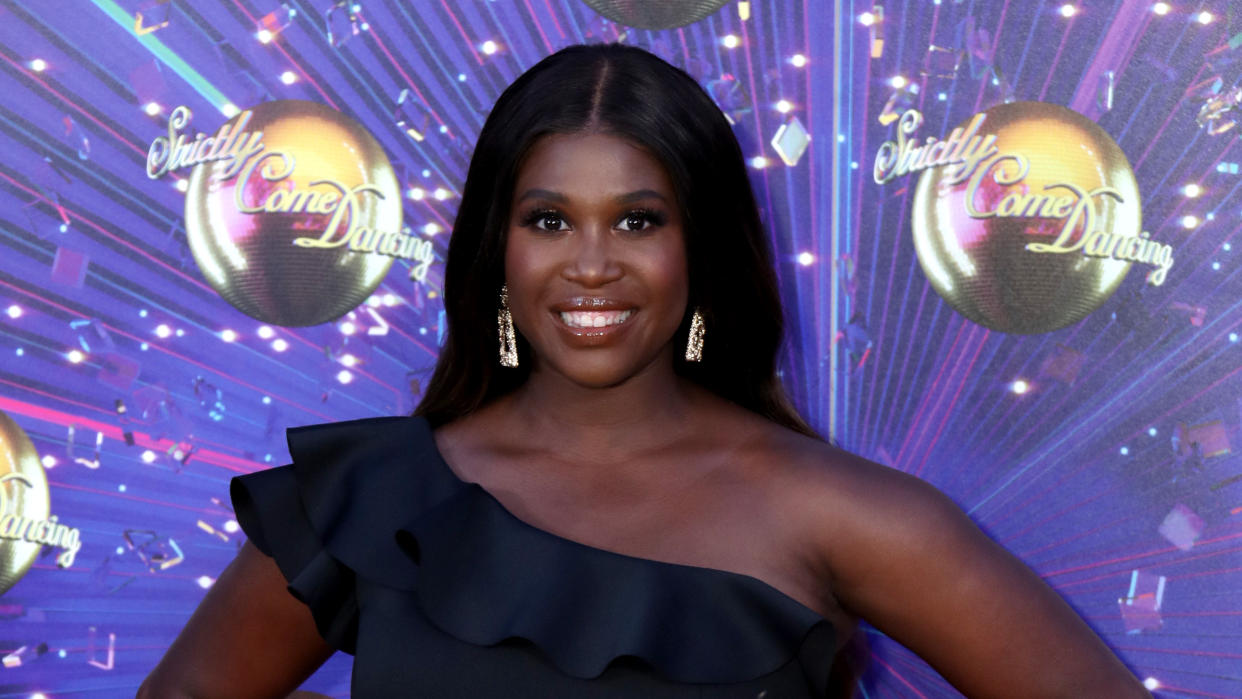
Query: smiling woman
pixel 605 491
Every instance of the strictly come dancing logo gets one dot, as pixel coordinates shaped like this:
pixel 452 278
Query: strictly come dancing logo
pixel 292 211
pixel 26 522
pixel 1026 218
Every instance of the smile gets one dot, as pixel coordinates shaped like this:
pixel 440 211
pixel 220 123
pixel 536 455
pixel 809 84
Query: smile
pixel 595 319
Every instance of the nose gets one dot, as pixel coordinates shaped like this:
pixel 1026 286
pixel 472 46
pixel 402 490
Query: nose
pixel 592 258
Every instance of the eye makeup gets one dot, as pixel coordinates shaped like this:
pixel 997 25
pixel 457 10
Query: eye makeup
pixel 652 217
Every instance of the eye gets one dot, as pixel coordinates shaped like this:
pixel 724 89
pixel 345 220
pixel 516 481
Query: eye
pixel 550 220
pixel 641 220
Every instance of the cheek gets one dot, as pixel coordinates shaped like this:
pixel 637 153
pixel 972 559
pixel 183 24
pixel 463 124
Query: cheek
pixel 672 273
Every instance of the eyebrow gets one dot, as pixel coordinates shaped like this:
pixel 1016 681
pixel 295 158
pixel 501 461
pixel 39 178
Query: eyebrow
pixel 559 198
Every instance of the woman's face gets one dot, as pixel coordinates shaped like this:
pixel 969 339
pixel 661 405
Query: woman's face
pixel 595 260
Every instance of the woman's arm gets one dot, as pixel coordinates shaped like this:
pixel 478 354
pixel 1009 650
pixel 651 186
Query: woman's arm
pixel 248 638
pixel 909 561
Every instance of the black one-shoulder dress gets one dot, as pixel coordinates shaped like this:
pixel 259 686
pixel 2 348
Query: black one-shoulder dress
pixel 439 591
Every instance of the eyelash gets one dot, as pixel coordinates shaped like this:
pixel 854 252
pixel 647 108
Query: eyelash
pixel 651 216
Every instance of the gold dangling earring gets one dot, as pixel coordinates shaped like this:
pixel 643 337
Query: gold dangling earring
pixel 508 341
pixel 694 342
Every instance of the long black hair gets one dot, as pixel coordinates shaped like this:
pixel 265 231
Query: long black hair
pixel 630 93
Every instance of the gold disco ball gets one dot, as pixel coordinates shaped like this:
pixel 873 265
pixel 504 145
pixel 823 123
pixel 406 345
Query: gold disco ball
pixel 23 496
pixel 981 265
pixel 242 224
pixel 655 14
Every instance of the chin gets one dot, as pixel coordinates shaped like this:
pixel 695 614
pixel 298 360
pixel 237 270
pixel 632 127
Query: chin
pixel 597 369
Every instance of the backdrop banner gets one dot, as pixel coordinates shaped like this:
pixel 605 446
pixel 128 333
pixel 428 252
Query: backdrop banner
pixel 1004 232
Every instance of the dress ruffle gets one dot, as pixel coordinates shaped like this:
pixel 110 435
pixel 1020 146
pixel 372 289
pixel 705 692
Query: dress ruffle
pixel 378 502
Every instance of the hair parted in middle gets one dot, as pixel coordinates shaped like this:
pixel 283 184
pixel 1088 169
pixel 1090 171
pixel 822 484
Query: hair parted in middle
pixel 630 93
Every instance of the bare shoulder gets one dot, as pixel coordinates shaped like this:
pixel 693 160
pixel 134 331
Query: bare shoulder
pixel 835 491
pixel 902 555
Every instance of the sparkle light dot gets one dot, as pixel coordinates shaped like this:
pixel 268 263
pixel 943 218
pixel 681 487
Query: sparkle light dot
pixel 38 65
pixel 1161 8
pixel 231 526
pixel 1068 10
pixel 898 81
pixel 349 360
pixel 14 311
pixel 264 36
pixel 1192 190
pixel 152 108
pixel 344 376
pixel 163 330
pixel 1020 386
pixel 798 60
pixel 1204 17
pixel 64 227
pixel 806 259
pixel 758 162
pixel 390 299
pixel 432 228
pixel 205 581
pixel 374 301
pixel 148 457
pixel 942 97
pixel 183 185
pixel 461 77
pixel 489 47
pixel 443 128
pixel 1190 221
pixel 142 313
pixel 38 695
pixel 121 488
pixel 866 19
pixel 1151 683
pixel 426 172
pixel 1216 266
pixel 288 77
pixel 62 653
pixel 49 461
pixel 229 110
pixel 266 332
pixel 1233 337
pixel 441 193
pixel 20 351
pixel 267 400
pixel 347 328
pixel 730 41
pixel 228 335
pixel 76 356
pixel 1125 451
pixel 415 193
pixel 180 332
pixel 1151 431
pixel 1226 247
pixel 119 550
pixel 279 344
pixel 784 106
pixel 144 347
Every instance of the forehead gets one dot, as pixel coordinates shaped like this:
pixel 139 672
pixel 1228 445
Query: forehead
pixel 587 165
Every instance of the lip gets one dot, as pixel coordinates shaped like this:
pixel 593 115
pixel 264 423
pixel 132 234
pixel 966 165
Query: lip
pixel 592 303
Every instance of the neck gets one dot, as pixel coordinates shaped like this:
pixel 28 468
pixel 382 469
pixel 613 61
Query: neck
pixel 647 411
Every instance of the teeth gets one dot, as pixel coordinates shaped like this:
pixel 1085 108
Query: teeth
pixel 594 319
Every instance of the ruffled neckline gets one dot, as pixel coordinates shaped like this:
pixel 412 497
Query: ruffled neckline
pixel 485 576
pixel 447 471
